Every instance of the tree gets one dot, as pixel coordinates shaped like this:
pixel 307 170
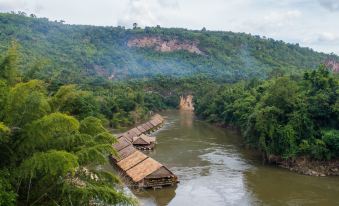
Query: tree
pixel 70 99
pixel 7 195
pixel 26 102
pixel 4 90
pixel 91 126
pixel 331 139
pixel 135 25
pixel 5 142
pixel 54 159
pixel 45 133
pixel 9 65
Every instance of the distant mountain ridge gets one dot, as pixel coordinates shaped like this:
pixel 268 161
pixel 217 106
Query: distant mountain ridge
pixel 119 53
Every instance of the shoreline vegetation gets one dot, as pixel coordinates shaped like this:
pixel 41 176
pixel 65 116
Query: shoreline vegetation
pixel 292 120
pixel 303 165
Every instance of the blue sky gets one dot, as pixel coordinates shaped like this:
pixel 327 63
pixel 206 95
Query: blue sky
pixel 312 23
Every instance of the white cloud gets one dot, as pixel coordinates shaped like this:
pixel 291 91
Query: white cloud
pixel 328 37
pixel 144 12
pixel 8 5
pixel 282 16
pixel 332 5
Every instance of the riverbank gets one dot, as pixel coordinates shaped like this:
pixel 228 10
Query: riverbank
pixel 305 166
pixel 300 165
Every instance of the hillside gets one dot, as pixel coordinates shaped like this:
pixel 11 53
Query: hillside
pixel 118 53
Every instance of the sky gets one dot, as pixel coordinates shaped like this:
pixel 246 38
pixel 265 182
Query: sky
pixel 311 23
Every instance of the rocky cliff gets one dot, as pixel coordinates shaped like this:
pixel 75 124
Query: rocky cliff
pixel 332 64
pixel 186 103
pixel 162 45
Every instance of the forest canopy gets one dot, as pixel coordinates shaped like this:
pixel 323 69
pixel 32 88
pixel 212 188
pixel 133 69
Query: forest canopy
pixel 72 52
pixel 286 116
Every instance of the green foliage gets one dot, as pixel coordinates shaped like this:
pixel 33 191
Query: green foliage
pixel 331 139
pixel 76 102
pixel 26 102
pixel 9 65
pixel 100 193
pixel 7 195
pixel 53 163
pixel 96 154
pixel 4 90
pixel 4 133
pixel 105 137
pixel 283 116
pixel 91 126
pixel 318 150
pixel 41 134
pixel 5 141
pixel 77 53
pixel 45 151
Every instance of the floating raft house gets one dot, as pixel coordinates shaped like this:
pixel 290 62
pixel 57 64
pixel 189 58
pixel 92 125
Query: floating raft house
pixel 144 142
pixel 137 135
pixel 142 171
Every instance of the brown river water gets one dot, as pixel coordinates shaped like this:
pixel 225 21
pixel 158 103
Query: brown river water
pixel 215 169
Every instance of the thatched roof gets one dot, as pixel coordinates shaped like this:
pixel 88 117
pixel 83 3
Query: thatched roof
pixel 154 122
pixel 127 151
pixel 157 121
pixel 161 172
pixel 141 129
pixel 140 171
pixel 129 136
pixel 149 125
pixel 121 144
pixel 136 131
pixel 151 139
pixel 158 117
pixel 131 131
pixel 146 126
pixel 132 160
pixel 143 140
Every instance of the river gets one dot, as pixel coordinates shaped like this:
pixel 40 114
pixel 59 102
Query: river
pixel 215 169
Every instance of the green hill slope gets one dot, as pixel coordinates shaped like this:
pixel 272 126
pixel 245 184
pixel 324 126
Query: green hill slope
pixel 116 52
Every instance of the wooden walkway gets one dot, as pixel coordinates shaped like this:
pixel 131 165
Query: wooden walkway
pixel 141 170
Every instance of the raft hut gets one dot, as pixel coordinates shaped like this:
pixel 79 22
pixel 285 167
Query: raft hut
pixel 139 169
pixel 144 142
pixel 143 171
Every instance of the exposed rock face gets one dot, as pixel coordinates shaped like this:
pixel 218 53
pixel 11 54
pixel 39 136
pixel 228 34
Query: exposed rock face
pixel 186 103
pixel 332 64
pixel 162 45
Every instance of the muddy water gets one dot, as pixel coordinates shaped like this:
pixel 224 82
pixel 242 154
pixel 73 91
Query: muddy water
pixel 214 169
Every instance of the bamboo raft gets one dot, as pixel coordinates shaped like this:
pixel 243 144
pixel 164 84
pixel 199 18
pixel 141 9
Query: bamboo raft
pixel 139 169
